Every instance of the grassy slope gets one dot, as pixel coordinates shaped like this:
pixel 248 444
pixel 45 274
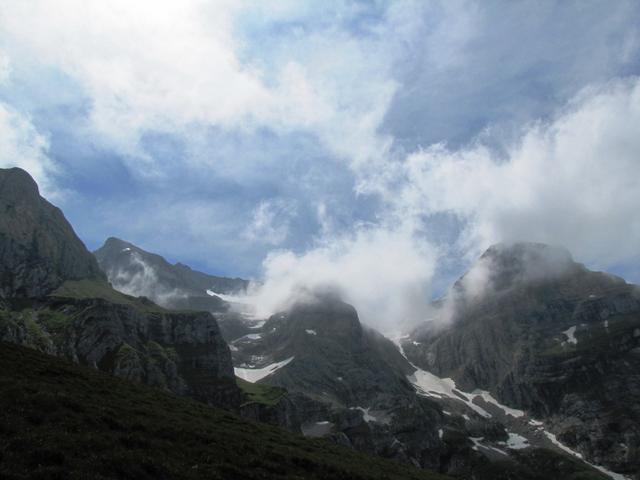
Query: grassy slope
pixel 83 289
pixel 260 393
pixel 59 420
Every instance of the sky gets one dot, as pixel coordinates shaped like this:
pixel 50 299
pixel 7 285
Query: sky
pixel 379 146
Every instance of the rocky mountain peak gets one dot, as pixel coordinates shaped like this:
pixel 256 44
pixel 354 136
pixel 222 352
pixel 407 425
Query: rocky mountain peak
pixel 114 243
pixel 137 272
pixel 503 266
pixel 38 248
pixel 17 185
pixel 324 312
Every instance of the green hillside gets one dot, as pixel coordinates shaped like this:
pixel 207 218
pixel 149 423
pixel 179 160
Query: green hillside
pixel 60 420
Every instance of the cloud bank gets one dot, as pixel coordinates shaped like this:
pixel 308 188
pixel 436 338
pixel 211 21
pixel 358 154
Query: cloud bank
pixel 384 273
pixel 572 181
pixel 378 147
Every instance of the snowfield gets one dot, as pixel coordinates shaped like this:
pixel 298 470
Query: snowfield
pixel 571 335
pixel 253 375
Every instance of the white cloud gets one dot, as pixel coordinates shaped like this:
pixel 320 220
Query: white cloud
pixel 270 222
pixel 573 182
pixel 140 279
pixel 21 145
pixel 5 67
pixel 171 66
pixel 384 273
pixel 182 67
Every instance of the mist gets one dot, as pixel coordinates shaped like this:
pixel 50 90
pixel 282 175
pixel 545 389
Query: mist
pixel 384 274
pixel 140 279
pixel 499 270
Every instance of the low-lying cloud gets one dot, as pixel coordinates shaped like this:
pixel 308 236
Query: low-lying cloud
pixel 572 182
pixel 384 273
pixel 139 279
pixel 357 86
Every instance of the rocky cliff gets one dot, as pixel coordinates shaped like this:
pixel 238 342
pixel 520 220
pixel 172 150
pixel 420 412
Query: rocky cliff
pixel 56 299
pixel 354 387
pixel 546 335
pixel 135 271
pixel 38 248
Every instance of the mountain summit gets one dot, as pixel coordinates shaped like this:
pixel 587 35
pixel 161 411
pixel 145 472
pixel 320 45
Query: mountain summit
pixel 56 299
pixel 38 248
pixel 544 334
pixel 135 271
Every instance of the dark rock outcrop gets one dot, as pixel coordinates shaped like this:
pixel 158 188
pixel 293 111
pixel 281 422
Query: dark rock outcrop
pixel 55 298
pixel 347 382
pixel 135 271
pixel 38 248
pixel 180 352
pixel 546 335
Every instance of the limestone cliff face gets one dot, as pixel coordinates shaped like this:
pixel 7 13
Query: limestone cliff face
pixel 347 382
pixel 553 338
pixel 181 352
pixel 135 271
pixel 38 248
pixel 55 298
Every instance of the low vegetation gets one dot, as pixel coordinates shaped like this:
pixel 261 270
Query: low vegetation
pixel 260 393
pixel 62 421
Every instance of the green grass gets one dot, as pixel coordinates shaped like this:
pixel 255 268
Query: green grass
pixel 62 421
pixel 53 320
pixel 83 289
pixel 260 393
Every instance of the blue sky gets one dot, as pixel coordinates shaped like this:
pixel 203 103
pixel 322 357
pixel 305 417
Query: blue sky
pixel 245 138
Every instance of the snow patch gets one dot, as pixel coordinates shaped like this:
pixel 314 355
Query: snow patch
pixel 126 249
pixel 311 332
pixel 571 335
pixel 429 384
pixel 252 375
pixel 517 442
pixel 476 442
pixel 229 298
pixel 557 443
pixel 440 433
pixel 365 414
pixel 368 416
pixel 432 386
pixel 250 336
pixel 487 397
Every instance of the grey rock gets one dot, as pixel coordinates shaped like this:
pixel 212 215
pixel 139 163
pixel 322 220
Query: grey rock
pixel 134 271
pixel 38 248
pixel 513 340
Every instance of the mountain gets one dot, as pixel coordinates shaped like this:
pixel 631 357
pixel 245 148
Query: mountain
pixel 314 368
pixel 38 248
pixel 56 300
pixel 353 386
pixel 59 420
pixel 544 334
pixel 135 271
